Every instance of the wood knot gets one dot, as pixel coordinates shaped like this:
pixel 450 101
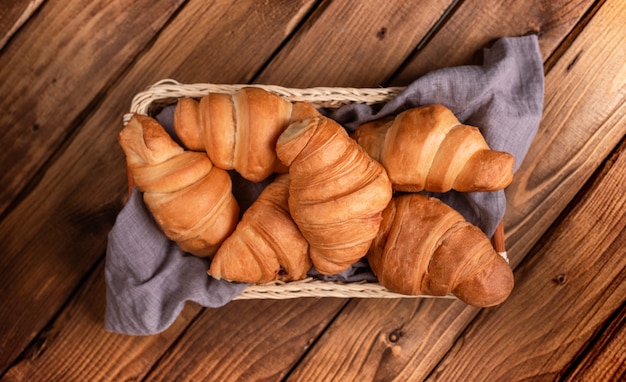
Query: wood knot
pixel 381 33
pixel 395 335
pixel 560 279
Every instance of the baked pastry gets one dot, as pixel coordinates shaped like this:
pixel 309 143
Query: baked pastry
pixel 189 198
pixel 266 244
pixel 239 131
pixel 424 247
pixel 337 192
pixel 427 148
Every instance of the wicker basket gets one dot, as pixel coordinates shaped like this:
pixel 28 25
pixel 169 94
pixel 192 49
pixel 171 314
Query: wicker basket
pixel 167 91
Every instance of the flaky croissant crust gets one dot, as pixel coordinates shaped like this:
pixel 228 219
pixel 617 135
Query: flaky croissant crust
pixel 427 148
pixel 426 247
pixel 267 244
pixel 239 131
pixel 337 191
pixel 189 198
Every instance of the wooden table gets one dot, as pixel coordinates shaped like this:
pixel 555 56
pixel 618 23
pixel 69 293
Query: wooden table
pixel 68 71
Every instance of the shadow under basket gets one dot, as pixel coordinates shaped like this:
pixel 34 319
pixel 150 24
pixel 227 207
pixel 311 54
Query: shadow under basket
pixel 167 92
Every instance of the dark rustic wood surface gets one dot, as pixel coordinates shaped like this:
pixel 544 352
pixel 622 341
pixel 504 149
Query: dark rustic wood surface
pixel 68 71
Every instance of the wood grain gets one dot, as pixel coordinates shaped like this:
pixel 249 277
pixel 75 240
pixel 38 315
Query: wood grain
pixel 75 347
pixel 232 50
pixel 247 340
pixel 584 118
pixel 372 42
pixel 394 339
pixel 46 65
pixel 564 293
pixel 476 23
pixel 13 14
pixel 45 69
pixel 58 232
pixel 606 357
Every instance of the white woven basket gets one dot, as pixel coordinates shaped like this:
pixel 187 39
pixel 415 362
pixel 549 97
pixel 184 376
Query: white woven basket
pixel 168 91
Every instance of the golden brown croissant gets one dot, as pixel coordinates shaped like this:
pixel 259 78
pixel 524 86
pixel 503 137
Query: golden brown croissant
pixel 337 192
pixel 239 131
pixel 266 244
pixel 190 199
pixel 426 247
pixel 427 148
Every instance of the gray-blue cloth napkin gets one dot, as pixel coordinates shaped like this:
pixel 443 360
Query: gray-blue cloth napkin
pixel 149 279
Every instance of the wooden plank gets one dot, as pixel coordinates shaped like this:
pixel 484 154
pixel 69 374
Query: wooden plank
pixel 247 340
pixel 606 359
pixel 65 351
pixel 372 42
pixel 384 339
pixel 58 232
pixel 45 70
pixel 591 100
pixel 584 119
pixel 565 291
pixel 476 23
pixel 47 62
pixel 223 42
pixel 13 14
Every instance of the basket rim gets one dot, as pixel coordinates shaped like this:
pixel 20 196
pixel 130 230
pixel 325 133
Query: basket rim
pixel 170 89
pixel 311 287
pixel 331 97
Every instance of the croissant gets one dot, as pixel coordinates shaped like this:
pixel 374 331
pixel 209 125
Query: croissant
pixel 266 244
pixel 426 247
pixel 189 198
pixel 337 192
pixel 239 131
pixel 427 148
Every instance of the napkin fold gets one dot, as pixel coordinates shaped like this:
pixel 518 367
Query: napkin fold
pixel 149 279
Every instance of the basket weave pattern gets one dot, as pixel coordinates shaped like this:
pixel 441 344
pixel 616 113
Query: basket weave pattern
pixel 168 91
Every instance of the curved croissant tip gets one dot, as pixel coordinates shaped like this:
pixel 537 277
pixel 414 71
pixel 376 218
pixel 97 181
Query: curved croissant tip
pixel 215 276
pixel 293 140
pixel 298 127
pixel 488 288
